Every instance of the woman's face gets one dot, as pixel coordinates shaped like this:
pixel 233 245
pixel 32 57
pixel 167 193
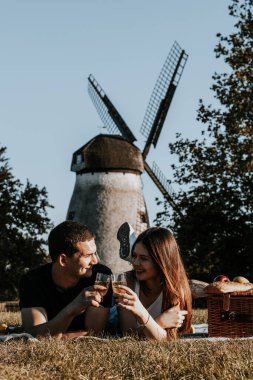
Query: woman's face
pixel 143 264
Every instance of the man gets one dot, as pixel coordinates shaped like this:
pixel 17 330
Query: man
pixel 60 296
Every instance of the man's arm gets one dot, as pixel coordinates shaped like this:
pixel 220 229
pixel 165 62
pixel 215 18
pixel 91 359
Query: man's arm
pixel 35 319
pixel 96 318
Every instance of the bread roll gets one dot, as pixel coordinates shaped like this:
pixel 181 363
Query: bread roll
pixel 3 328
pixel 219 287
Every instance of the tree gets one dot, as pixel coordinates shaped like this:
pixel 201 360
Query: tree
pixel 215 226
pixel 23 223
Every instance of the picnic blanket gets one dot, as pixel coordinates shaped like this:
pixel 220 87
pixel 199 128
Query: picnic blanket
pixel 201 332
pixel 28 337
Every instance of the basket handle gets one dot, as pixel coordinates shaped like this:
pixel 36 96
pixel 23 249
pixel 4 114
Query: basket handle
pixel 226 302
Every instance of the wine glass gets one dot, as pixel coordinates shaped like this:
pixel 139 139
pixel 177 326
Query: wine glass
pixel 118 279
pixel 104 280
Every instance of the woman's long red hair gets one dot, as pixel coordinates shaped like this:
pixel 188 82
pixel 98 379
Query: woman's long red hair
pixel 163 249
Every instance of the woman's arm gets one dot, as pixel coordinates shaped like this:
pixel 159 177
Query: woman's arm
pixel 132 311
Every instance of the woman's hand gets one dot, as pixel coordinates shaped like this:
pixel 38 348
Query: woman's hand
pixel 130 301
pixel 172 318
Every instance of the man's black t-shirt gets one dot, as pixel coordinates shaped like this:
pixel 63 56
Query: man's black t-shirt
pixel 38 289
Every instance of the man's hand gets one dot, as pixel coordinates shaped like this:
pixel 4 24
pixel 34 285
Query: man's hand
pixel 88 297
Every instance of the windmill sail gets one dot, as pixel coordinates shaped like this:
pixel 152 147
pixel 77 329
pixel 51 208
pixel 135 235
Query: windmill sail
pixel 162 96
pixel 107 112
pixel 161 182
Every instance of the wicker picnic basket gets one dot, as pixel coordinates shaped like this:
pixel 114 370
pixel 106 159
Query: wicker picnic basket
pixel 230 314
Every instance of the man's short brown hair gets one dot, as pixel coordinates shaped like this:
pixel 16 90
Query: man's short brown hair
pixel 64 237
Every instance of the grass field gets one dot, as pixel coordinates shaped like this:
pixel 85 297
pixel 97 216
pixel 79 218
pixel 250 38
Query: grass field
pixel 125 359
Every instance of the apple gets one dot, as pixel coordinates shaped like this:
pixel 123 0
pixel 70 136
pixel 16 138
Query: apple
pixel 241 279
pixel 221 278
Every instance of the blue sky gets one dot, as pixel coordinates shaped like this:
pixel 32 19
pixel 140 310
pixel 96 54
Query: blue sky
pixel 48 49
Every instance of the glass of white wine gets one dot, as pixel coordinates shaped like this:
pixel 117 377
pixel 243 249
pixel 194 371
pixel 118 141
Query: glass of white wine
pixel 104 280
pixel 118 280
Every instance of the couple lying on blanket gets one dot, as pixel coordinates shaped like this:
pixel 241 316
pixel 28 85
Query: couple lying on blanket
pixel 63 299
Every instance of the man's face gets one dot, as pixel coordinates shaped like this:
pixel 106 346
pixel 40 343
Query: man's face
pixel 80 264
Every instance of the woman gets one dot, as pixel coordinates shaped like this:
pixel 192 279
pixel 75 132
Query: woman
pixel 157 300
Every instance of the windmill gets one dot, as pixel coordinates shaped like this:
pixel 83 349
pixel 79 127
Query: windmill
pixel 108 188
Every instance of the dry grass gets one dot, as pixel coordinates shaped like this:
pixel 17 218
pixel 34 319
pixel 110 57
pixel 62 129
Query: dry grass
pixel 199 316
pixel 126 359
pixel 10 318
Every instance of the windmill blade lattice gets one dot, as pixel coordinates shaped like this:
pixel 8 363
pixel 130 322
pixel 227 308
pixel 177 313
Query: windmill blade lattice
pixel 162 95
pixel 107 112
pixel 161 182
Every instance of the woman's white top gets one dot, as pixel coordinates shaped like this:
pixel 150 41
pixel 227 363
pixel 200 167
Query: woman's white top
pixel 155 309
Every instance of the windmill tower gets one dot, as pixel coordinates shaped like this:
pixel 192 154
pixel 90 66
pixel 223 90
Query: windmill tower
pixel 108 189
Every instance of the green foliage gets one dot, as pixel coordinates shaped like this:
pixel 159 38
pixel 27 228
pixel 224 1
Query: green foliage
pixel 215 228
pixel 23 222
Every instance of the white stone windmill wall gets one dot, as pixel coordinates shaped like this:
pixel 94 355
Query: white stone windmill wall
pixel 108 192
